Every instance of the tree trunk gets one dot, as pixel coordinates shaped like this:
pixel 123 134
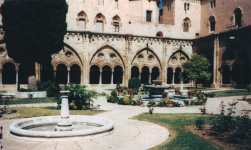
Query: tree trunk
pixel 32 76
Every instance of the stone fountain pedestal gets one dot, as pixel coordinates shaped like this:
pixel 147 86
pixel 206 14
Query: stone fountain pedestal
pixel 64 124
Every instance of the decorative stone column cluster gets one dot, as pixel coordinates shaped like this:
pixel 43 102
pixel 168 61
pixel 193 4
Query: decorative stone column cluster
pixel 173 77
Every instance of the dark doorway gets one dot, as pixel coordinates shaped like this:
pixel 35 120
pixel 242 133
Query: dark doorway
pixel 9 73
pixel 117 75
pixel 47 73
pixel 246 74
pixel 23 74
pixel 75 74
pixel 169 75
pixel 176 76
pixel 226 74
pixel 106 75
pixel 94 74
pixel 145 75
pixel 236 73
pixel 134 72
pixel 61 74
pixel 155 73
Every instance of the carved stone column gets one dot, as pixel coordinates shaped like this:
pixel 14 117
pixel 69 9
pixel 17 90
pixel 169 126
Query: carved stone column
pixel 173 77
pixel 123 78
pixel 16 76
pixel 55 82
pixel 100 78
pixel 150 73
pixel 68 76
pixel 112 78
pixel 1 82
pixel 81 77
pixel 140 75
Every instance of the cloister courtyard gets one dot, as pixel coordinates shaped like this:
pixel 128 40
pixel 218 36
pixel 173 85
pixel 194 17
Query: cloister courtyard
pixel 130 132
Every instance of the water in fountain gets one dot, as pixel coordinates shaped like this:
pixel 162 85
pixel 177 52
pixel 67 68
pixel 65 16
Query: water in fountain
pixel 61 128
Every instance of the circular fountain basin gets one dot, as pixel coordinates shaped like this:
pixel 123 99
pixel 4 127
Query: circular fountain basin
pixel 43 128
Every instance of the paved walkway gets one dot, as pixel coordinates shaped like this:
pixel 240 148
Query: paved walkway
pixel 128 134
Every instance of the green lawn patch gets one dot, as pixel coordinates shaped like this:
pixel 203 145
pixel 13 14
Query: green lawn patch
pixel 183 140
pixel 27 112
pixel 231 93
pixel 33 100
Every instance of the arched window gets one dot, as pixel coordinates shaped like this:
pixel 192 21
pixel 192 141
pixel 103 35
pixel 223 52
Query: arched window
pixel 238 16
pixel 159 34
pixel 9 73
pixel 116 22
pixel 100 19
pixel 186 24
pixel 82 19
pixel 212 23
pixel 116 3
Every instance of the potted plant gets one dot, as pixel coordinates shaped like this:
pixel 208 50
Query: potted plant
pixel 132 92
pixel 134 83
pixel 164 94
pixel 177 91
pixel 190 94
pixel 120 91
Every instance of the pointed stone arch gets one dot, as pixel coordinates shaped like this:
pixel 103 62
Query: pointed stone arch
pixel 177 59
pixel 108 55
pixel 146 57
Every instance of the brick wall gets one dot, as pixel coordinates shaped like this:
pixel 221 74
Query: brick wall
pixel 224 15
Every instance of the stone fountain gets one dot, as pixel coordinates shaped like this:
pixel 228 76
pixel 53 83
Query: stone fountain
pixel 61 128
pixel 158 88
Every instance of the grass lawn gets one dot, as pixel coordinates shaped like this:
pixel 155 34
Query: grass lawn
pixel 183 139
pixel 33 100
pixel 27 112
pixel 231 93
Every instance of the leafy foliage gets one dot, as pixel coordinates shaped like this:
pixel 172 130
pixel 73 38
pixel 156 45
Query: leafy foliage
pixel 134 83
pixel 34 27
pixel 48 86
pixel 79 97
pixel 114 93
pixel 197 68
pixel 232 84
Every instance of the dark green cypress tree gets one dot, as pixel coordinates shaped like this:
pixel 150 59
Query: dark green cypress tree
pixel 34 29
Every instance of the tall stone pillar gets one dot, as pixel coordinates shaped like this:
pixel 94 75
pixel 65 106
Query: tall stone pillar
pixel 68 76
pixel 173 77
pixel 55 82
pixel 112 78
pixel 150 73
pixel 81 77
pixel 140 75
pixel 100 78
pixel 1 80
pixel 16 76
pixel 123 78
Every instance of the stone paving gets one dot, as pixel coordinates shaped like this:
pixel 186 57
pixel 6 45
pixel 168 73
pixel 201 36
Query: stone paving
pixel 128 134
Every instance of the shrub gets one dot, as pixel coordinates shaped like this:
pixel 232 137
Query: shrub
pixel 114 93
pixel 151 103
pixel 121 101
pixel 109 99
pixel 79 96
pixel 126 100
pixel 134 83
pixel 49 87
pixel 186 102
pixel 145 88
pixel 177 90
pixel 115 99
pixel 164 94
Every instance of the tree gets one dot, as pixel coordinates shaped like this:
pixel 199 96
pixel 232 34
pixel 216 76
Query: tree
pixel 134 83
pixel 196 69
pixel 34 30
